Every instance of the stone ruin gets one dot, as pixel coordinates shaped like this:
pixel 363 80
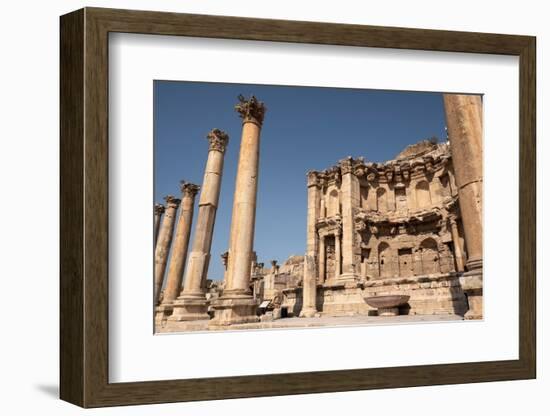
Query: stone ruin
pixel 409 228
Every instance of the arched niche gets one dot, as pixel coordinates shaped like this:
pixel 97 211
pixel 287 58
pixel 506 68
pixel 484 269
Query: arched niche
pixel 384 260
pixel 430 256
pixel 333 205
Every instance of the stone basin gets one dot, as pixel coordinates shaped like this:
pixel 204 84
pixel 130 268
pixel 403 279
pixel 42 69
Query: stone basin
pixel 387 305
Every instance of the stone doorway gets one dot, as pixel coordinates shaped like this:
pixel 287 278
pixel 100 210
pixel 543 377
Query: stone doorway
pixel 384 260
pixel 405 262
pixel 430 257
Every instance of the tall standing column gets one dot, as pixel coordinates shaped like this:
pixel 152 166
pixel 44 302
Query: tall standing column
pixel 338 254
pixel 179 251
pixel 456 244
pixel 192 303
pixel 350 199
pixel 309 285
pixel 237 304
pixel 464 124
pixel 322 260
pixel 159 210
pixel 163 245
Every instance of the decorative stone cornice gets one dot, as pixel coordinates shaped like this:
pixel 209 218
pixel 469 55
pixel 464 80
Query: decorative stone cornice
pixel 188 189
pixel 172 201
pixel 397 170
pixel 329 226
pixel 218 140
pixel 251 109
pixel 159 209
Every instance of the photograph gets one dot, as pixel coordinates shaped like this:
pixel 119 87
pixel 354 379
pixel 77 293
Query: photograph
pixel 279 207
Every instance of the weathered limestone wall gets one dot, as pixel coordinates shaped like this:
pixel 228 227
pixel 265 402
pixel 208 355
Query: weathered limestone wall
pixel 429 295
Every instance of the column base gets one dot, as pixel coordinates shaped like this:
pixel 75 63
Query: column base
pixel 475 304
pixel 309 313
pixel 232 310
pixel 190 309
pixel 472 285
pixel 162 313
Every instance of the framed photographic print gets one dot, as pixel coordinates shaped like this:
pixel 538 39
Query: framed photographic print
pixel 261 207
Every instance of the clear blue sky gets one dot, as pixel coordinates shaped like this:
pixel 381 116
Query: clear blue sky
pixel 305 128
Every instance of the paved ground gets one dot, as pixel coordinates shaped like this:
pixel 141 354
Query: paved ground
pixel 202 325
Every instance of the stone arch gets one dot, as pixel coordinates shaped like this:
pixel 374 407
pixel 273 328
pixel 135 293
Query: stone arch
pixel 333 206
pixel 430 256
pixel 381 200
pixel 423 197
pixel 384 259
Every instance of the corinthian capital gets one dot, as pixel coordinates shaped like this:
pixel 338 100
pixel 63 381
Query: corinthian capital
pixel 218 140
pixel 313 178
pixel 189 189
pixel 159 209
pixel 172 201
pixel 346 165
pixel 251 109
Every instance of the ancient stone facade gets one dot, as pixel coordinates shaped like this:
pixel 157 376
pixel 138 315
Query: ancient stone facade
pixel 385 228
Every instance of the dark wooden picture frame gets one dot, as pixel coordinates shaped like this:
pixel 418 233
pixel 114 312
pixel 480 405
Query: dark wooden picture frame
pixel 84 207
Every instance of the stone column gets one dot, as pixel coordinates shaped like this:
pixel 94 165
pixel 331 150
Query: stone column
pixel 350 199
pixel 309 284
pixel 179 251
pixel 338 254
pixel 164 241
pixel 464 125
pixel 456 244
pixel 237 304
pixel 159 210
pixel 322 260
pixel 192 303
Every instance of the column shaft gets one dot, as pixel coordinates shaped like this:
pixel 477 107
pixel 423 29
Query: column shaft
pixel 159 210
pixel 192 303
pixel 309 285
pixel 465 135
pixel 338 255
pixel 202 241
pixel 237 305
pixel 456 244
pixel 322 260
pixel 163 245
pixel 464 124
pixel 181 243
pixel 350 199
pixel 244 210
